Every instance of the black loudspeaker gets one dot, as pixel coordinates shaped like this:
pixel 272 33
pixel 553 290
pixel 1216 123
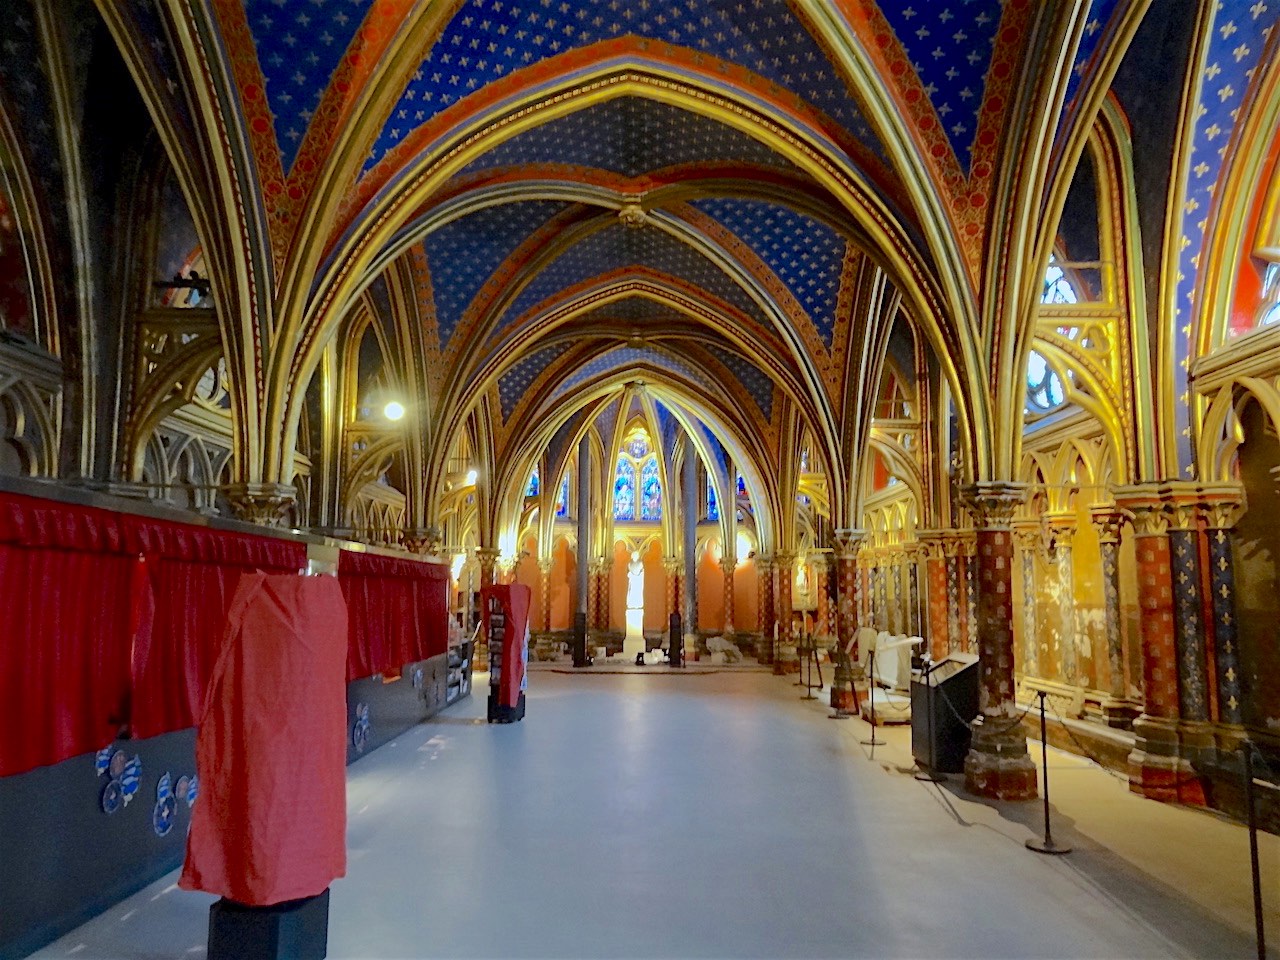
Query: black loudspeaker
pixel 943 704
pixel 675 642
pixel 293 930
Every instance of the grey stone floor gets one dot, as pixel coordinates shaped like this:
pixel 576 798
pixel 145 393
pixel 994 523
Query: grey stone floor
pixel 695 816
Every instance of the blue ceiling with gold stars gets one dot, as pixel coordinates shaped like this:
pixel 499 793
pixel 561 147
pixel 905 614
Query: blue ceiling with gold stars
pixel 617 246
pixel 755 381
pixel 299 44
pixel 489 39
pixel 949 43
pixel 806 254
pixel 629 136
pixel 620 358
pixel 513 384
pixel 464 253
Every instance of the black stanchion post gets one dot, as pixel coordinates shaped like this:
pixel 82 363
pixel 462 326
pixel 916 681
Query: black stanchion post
pixel 1253 850
pixel 810 658
pixel 874 741
pixel 1045 844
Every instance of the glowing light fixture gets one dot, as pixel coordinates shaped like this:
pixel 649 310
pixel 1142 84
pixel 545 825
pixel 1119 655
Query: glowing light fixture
pixel 742 546
pixel 470 480
pixel 459 560
pixel 394 410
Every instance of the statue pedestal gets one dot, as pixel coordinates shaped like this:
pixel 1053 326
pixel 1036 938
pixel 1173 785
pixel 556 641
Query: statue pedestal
pixel 633 642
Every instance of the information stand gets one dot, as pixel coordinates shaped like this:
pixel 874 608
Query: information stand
pixel 942 711
pixel 506 625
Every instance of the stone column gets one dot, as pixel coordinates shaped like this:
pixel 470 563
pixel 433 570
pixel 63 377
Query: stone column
pixel 672 566
pixel 544 567
pixel 1156 769
pixel 690 510
pixel 600 568
pixel 955 616
pixel 1195 735
pixel 787 659
pixel 768 613
pixel 998 765
pixel 727 566
pixel 822 593
pixel 487 557
pixel 969 564
pixel 267 504
pixel 912 553
pixel 1223 506
pixel 1029 538
pixel 1062 529
pixel 935 573
pixel 846 543
pixel 1117 708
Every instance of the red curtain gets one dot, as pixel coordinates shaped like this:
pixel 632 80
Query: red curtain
pixel 397 611
pixel 109 619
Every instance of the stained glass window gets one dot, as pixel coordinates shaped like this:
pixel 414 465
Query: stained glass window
pixel 1270 296
pixel 638 446
pixel 804 460
pixel 713 508
pixel 535 484
pixel 562 505
pixel 1057 288
pixel 650 490
pixel 1045 391
pixel 742 487
pixel 624 490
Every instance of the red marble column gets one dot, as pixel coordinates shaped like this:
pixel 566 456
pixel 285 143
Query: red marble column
pixel 673 566
pixel 822 588
pixel 767 612
pixel 846 560
pixel 727 566
pixel 1156 768
pixel 786 659
pixel 544 567
pixel 998 765
pixel 935 576
pixel 601 580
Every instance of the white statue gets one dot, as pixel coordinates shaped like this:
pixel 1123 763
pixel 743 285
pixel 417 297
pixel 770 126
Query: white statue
pixel 635 583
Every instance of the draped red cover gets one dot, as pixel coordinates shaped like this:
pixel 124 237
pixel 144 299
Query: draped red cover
pixel 271 752
pixel 109 619
pixel 515 599
pixel 398 611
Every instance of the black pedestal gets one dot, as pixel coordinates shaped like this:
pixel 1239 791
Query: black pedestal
pixel 293 930
pixel 580 640
pixel 498 713
pixel 675 642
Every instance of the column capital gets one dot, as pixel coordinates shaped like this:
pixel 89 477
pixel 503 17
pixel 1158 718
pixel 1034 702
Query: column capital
pixel 1107 519
pixel 728 565
pixel 598 565
pixel 1223 504
pixel 545 564
pixel 267 504
pixel 785 562
pixel 931 543
pixel 426 541
pixel 765 563
pixel 1028 534
pixel 820 563
pixel 673 565
pixel 846 541
pixel 993 502
pixel 1144 505
pixel 487 557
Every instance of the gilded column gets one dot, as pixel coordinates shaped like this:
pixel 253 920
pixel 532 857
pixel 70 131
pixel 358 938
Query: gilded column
pixel 998 764
pixel 786 660
pixel 768 613
pixel 1223 507
pixel 955 617
pixel 1028 537
pixel 1062 529
pixel 727 567
pixel 1118 709
pixel 968 555
pixel 544 567
pixel 487 557
pixel 913 553
pixel 675 600
pixel 1155 767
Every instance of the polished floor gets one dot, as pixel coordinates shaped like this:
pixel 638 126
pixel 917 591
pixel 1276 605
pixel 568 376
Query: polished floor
pixel 718 815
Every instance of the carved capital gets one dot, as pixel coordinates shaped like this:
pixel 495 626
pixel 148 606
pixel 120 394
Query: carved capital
pixel 993 502
pixel 545 564
pixel 1146 509
pixel 765 564
pixel 1107 520
pixel 728 565
pixel 846 542
pixel 930 544
pixel 488 558
pixel 1029 535
pixel 785 562
pixel 426 541
pixel 267 504
pixel 1223 505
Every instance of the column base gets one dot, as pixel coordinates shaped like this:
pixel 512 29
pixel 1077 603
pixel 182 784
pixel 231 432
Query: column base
pixel 787 661
pixel 1158 768
pixel 842 697
pixel 1119 713
pixel 998 766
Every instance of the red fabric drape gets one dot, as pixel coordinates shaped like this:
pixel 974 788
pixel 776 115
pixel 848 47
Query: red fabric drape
pixel 398 611
pixel 515 599
pixel 92 636
pixel 271 752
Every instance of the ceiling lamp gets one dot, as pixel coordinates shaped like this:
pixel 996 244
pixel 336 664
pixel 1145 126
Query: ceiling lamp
pixel 394 410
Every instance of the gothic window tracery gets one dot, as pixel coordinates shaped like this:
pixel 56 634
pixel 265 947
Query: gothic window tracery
pixel 534 485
